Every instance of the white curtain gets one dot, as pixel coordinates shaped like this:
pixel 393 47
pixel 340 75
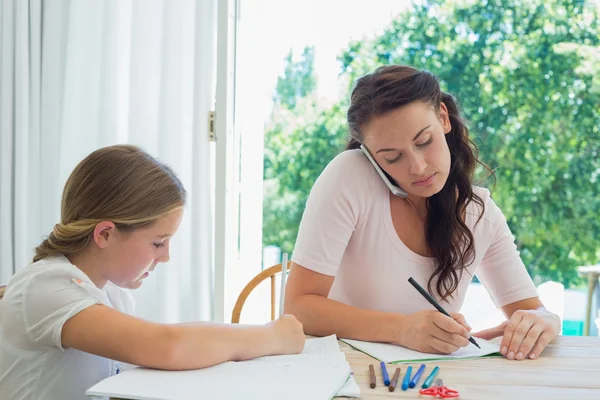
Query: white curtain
pixel 82 74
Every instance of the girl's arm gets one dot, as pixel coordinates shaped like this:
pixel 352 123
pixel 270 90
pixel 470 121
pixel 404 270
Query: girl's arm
pixel 109 333
pixel 429 331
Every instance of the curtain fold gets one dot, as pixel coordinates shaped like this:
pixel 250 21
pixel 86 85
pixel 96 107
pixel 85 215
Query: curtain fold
pixel 78 75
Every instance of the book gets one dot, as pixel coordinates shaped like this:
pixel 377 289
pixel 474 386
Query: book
pixel 393 354
pixel 319 372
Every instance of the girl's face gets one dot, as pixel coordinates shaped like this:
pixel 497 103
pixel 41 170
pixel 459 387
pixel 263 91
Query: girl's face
pixel 409 144
pixel 131 256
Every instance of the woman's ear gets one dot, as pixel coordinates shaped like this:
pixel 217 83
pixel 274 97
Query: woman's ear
pixel 103 233
pixel 445 118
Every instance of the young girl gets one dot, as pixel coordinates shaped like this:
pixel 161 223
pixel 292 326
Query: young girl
pixel 65 320
pixel 358 243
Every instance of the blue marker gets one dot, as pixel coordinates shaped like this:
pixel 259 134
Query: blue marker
pixel 386 377
pixel 406 380
pixel 417 376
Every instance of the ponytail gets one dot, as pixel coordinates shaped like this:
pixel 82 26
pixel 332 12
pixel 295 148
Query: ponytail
pixel 65 239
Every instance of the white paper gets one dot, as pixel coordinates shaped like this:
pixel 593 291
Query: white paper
pixel 327 344
pixel 319 372
pixel 350 388
pixel 390 353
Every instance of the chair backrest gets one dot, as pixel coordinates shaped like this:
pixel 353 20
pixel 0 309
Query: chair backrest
pixel 270 272
pixel 2 290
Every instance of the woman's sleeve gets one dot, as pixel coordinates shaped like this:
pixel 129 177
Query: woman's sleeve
pixel 502 271
pixel 333 210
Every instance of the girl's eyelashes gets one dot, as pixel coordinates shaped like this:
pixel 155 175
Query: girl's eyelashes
pixel 159 245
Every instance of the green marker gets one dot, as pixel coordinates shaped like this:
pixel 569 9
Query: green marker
pixel 430 378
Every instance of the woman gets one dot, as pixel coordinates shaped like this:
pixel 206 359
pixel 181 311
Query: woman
pixel 358 243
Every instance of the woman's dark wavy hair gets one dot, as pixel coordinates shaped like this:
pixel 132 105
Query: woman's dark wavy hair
pixel 448 238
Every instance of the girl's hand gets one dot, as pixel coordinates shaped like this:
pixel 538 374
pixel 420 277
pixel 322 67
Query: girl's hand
pixel 288 335
pixel 430 331
pixel 525 334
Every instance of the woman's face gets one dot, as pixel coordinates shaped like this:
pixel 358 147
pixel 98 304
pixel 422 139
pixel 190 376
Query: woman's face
pixel 409 144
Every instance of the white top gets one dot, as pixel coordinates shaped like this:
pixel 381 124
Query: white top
pixel 40 298
pixel 347 232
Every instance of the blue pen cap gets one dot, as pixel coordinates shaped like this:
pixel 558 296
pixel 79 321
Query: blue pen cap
pixel 384 373
pixel 406 380
pixel 417 376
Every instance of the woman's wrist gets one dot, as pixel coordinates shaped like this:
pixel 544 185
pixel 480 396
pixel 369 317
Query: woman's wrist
pixel 550 318
pixel 394 328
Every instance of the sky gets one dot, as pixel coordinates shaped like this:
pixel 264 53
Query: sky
pixel 270 28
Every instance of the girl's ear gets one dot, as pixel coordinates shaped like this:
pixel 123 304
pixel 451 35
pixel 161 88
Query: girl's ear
pixel 104 233
pixel 445 118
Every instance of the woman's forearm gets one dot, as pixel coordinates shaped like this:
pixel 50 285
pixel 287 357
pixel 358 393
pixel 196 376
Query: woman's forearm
pixel 322 316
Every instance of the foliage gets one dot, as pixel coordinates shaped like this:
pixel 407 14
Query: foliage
pixel 526 74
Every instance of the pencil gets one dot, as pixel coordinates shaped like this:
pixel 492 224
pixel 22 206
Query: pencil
pixel 284 263
pixel 372 381
pixel 394 381
pixel 434 303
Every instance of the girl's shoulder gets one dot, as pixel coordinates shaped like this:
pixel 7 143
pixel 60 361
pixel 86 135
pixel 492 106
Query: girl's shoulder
pixel 51 267
pixel 49 275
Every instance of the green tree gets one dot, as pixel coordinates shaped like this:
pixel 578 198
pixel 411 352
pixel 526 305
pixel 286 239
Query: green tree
pixel 298 80
pixel 302 136
pixel 526 75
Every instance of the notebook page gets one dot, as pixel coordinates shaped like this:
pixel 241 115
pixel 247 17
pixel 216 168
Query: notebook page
pixel 327 344
pixel 350 388
pixel 250 380
pixel 390 353
pixel 321 363
pixel 317 350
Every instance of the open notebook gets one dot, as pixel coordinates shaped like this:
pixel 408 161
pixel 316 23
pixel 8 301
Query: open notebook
pixel 329 345
pixel 319 372
pixel 393 354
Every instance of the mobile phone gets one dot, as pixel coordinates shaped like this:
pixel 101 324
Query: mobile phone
pixel 395 189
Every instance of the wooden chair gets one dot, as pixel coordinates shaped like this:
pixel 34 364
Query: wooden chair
pixel 2 290
pixel 270 272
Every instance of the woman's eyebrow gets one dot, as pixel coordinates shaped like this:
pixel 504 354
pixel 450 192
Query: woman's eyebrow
pixel 415 138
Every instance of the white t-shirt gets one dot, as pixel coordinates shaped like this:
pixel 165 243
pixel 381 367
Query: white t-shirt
pixel 40 298
pixel 347 232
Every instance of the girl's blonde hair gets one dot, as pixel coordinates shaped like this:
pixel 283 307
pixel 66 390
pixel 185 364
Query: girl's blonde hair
pixel 122 184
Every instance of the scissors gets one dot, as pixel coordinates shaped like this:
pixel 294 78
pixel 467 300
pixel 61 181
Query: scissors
pixel 439 390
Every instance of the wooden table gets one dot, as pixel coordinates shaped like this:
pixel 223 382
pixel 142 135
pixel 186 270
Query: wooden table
pixel 568 369
pixel 593 274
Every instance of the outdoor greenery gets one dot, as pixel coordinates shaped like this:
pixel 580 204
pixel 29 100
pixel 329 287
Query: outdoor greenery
pixel 527 76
